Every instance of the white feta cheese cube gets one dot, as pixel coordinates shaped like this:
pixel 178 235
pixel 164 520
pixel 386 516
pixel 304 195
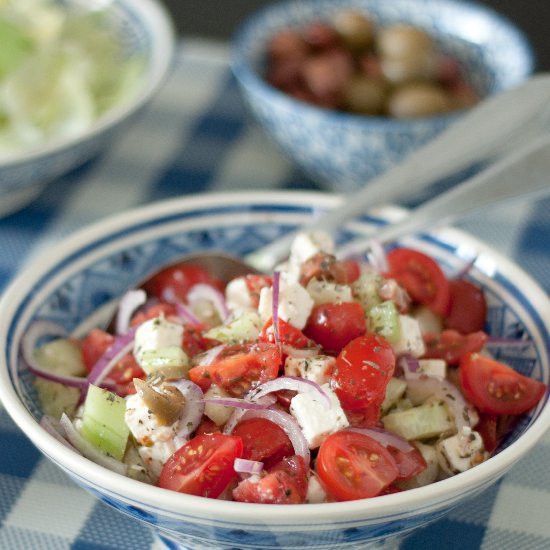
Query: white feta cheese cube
pixel 316 421
pixel 433 367
pixel 316 368
pixel 323 292
pixel 315 492
pixel 410 338
pixel 155 456
pixel 461 452
pixel 237 295
pixel 156 334
pixel 295 304
pixel 306 245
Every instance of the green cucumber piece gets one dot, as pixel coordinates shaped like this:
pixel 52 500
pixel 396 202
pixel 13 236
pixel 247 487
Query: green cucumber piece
pixel 244 328
pixel 169 359
pixel 103 422
pixel 423 422
pixel 384 320
pixel 61 356
pixel 15 46
pixel 394 391
pixel 366 289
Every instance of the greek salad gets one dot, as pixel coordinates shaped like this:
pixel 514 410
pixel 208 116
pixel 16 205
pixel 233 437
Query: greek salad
pixel 329 380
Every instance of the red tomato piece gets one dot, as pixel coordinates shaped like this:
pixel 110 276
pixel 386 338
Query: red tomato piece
pixel 263 441
pixel 173 283
pixel 352 466
pixel 422 277
pixel 239 367
pixel 333 325
pixel 467 307
pixel 254 284
pixel 207 426
pixel 288 335
pixel 409 464
pixel 353 270
pixel 487 428
pixel 285 483
pixel 203 466
pixel 362 372
pixel 368 417
pixel 94 345
pixel 451 345
pixel 496 388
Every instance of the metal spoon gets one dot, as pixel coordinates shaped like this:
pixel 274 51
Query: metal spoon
pixel 492 129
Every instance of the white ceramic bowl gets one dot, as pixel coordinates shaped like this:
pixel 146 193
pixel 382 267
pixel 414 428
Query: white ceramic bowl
pixel 146 30
pixel 343 151
pixel 95 266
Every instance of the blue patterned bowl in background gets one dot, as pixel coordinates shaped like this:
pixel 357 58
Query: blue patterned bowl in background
pixel 343 151
pixel 146 31
pixel 87 272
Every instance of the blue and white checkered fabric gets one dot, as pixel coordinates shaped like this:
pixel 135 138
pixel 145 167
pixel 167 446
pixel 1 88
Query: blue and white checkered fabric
pixel 196 137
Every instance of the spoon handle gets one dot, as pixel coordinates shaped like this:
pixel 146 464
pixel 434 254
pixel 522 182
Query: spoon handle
pixel 523 174
pixel 485 131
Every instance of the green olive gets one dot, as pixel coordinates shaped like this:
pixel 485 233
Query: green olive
pixel 403 41
pixel 423 66
pixel 355 29
pixel 365 95
pixel 417 100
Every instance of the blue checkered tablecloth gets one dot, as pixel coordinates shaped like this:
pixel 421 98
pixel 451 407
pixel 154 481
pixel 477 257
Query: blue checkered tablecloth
pixel 196 137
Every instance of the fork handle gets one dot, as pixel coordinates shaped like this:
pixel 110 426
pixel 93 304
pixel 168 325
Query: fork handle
pixel 523 174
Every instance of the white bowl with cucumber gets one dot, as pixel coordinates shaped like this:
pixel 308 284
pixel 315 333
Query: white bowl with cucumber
pixel 93 269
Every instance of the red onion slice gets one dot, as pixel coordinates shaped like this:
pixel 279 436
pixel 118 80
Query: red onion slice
pixel 237 403
pixel 122 345
pixel 244 466
pixel 88 450
pixel 54 428
pixel 127 306
pixel 209 356
pixel 411 367
pixel 38 330
pixel 387 439
pixel 185 314
pixel 194 406
pixel 202 291
pixel 294 383
pixel 275 306
pixel 291 351
pixel 286 422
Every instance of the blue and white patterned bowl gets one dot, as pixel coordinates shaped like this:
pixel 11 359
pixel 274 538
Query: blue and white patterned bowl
pixel 146 30
pixel 89 270
pixel 343 151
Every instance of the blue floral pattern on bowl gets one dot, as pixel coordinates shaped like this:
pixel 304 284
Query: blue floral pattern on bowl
pixel 343 151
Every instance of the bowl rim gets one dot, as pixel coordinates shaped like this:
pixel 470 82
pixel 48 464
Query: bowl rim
pixel 154 15
pixel 251 80
pixel 167 502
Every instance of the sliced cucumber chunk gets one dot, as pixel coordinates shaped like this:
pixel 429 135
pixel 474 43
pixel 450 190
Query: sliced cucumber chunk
pixel 423 422
pixel 244 328
pixel 394 391
pixel 103 423
pixel 384 319
pixel 61 356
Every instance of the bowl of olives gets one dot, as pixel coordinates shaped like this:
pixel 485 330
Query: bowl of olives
pixel 348 88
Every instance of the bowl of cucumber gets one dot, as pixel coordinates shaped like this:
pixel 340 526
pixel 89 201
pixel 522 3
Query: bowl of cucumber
pixel 80 355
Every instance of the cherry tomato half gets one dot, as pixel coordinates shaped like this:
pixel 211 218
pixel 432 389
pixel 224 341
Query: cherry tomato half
pixel 451 345
pixel 285 483
pixel 263 440
pixel 174 282
pixel 288 334
pixel 203 466
pixel 239 367
pixel 351 466
pixel 421 277
pixel 333 325
pixel 496 388
pixel 94 345
pixel 362 371
pixel 467 307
